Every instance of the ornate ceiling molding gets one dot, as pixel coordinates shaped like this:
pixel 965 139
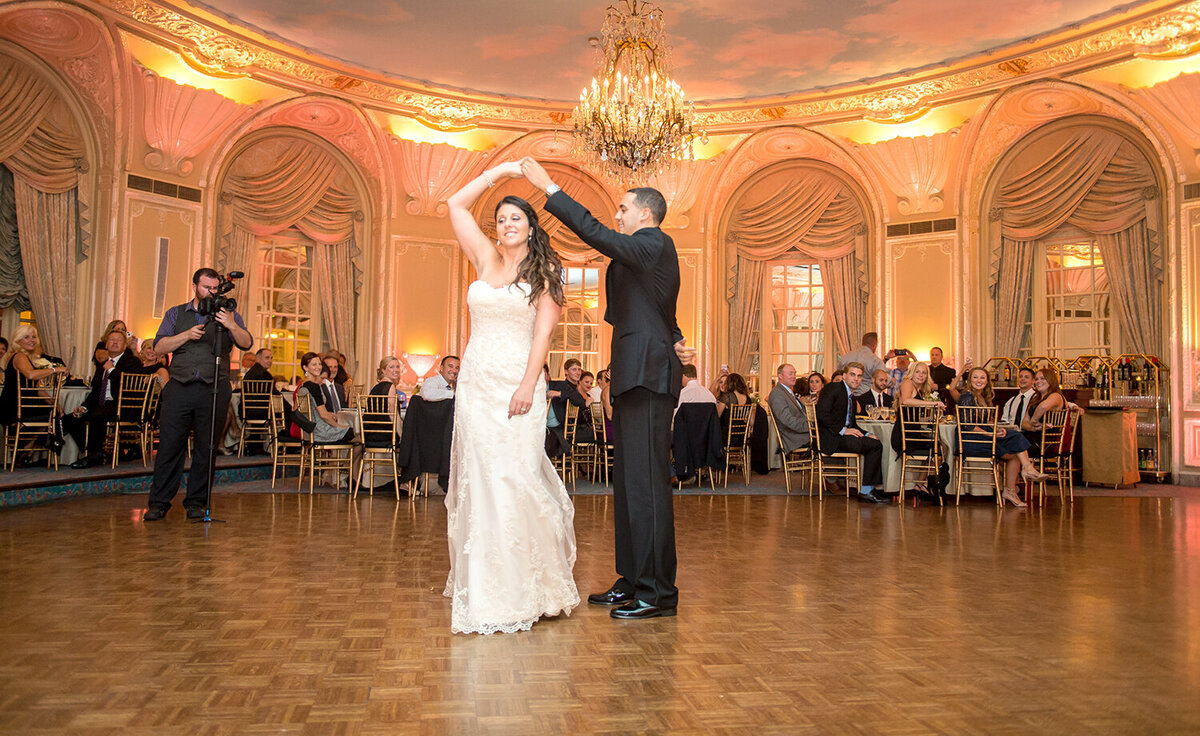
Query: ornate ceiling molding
pixel 218 48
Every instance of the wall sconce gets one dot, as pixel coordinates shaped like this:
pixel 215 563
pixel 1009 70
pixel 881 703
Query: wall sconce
pixel 417 367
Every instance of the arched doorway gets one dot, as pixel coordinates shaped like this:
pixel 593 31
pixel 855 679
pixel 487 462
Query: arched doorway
pixel 796 233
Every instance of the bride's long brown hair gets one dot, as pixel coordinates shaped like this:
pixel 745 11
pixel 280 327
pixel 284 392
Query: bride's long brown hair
pixel 542 269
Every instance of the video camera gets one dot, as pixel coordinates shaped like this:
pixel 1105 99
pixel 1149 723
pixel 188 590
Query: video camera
pixel 210 305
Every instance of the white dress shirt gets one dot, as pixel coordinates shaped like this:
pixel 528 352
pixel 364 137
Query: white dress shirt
pixel 695 393
pixel 1009 415
pixel 437 388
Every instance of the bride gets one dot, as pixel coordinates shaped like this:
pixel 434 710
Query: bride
pixel 509 520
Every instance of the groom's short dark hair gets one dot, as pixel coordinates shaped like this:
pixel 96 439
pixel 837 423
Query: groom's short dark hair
pixel 653 199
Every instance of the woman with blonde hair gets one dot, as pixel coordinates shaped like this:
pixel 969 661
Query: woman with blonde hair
pixel 918 387
pixel 388 375
pixel 25 359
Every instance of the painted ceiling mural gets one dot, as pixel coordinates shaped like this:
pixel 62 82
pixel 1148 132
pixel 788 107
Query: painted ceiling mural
pixel 722 49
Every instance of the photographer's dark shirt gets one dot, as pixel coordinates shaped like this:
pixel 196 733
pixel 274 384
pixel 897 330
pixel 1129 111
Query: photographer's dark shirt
pixel 170 327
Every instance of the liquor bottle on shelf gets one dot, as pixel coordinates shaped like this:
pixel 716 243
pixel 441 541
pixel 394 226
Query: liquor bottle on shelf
pixel 1141 459
pixel 1007 374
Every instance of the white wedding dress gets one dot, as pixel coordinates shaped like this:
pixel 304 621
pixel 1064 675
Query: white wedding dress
pixel 509 521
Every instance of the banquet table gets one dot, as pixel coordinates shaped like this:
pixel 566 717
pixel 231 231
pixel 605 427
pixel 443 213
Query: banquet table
pixel 947 432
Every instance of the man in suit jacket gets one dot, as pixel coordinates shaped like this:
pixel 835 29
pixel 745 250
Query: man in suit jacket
pixel 840 433
pixel 89 425
pixel 790 415
pixel 261 370
pixel 878 394
pixel 641 289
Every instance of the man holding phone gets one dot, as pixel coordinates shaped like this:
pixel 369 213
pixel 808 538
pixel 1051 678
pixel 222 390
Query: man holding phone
pixel 866 356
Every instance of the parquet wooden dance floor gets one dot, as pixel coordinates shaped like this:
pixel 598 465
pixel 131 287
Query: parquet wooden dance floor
pixel 312 614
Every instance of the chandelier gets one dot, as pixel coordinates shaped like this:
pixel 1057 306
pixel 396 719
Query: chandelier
pixel 633 118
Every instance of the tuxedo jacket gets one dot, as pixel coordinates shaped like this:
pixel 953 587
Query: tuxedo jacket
pixel 831 416
pixel 641 288
pixel 121 363
pixel 790 416
pixel 257 373
pixel 868 399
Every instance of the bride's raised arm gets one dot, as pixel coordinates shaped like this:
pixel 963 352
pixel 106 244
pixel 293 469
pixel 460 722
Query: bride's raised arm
pixel 479 250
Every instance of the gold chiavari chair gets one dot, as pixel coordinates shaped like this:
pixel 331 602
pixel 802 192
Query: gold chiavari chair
pixel 150 417
pixel 801 460
pixel 602 458
pixel 379 419
pixel 334 458
pixel 37 409
pixel 976 456
pixel 128 423
pixel 737 438
pixel 255 412
pixel 844 465
pixel 1053 460
pixel 286 451
pixel 354 395
pixel 571 417
pixel 920 453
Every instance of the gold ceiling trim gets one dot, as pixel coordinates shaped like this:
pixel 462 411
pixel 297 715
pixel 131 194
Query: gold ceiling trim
pixel 1170 32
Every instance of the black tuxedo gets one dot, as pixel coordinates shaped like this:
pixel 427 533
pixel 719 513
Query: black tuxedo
pixel 868 399
pixel 833 406
pixel 641 289
pixel 90 429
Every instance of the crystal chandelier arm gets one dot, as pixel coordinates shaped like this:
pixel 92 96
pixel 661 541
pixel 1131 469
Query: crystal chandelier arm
pixel 639 251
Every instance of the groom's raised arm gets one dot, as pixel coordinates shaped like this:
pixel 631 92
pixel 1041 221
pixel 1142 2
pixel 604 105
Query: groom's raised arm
pixel 640 250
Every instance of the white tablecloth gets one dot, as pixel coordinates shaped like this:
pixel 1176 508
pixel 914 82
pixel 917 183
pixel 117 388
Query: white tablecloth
pixel 947 432
pixel 70 398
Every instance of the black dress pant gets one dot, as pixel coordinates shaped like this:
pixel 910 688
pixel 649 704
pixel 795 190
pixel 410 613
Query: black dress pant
pixel 643 504
pixel 90 430
pixel 186 408
pixel 871 450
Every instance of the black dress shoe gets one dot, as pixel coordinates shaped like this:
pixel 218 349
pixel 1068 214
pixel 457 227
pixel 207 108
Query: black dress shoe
pixel 81 463
pixel 154 513
pixel 195 513
pixel 610 597
pixel 640 609
pixel 870 497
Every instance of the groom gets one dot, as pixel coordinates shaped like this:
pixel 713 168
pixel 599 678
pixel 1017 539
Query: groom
pixel 641 288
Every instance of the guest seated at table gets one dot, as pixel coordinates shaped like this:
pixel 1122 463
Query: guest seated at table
pixel 1047 397
pixel 879 394
pixel 89 423
pixel 100 354
pixel 791 416
pixel 151 362
pixel 336 363
pixel 837 376
pixel 25 359
pixel 917 388
pixel 328 428
pixel 1011 446
pixel 840 433
pixel 693 392
pixel 569 390
pixel 587 384
pixel 738 393
pixel 260 370
pixel 809 390
pixel 388 375
pixel 441 386
pixel 720 387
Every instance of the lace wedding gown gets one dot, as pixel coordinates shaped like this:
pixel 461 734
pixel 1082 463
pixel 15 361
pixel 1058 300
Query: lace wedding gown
pixel 510 523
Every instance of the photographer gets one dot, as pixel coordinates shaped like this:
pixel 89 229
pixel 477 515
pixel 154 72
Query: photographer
pixel 189 332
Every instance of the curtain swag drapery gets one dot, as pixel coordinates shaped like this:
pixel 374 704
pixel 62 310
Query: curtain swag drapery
pixel 41 145
pixel 1097 181
pixel 301 189
pixel 810 212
